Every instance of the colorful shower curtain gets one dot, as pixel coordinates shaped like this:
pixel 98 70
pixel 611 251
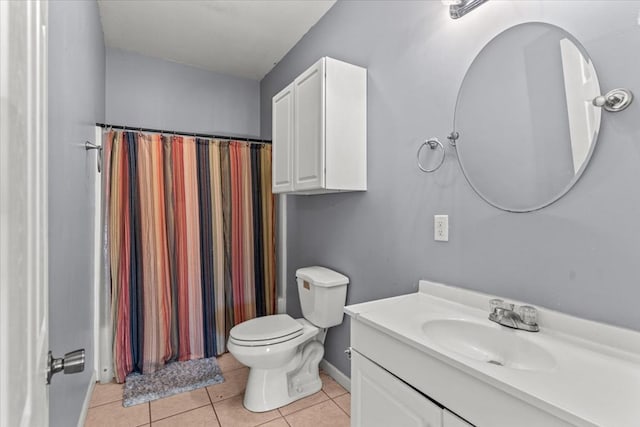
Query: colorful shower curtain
pixel 190 234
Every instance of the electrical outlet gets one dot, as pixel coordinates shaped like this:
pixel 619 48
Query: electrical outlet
pixel 441 228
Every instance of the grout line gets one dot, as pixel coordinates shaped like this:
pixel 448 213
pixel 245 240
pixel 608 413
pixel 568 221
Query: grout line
pixel 149 407
pixel 226 398
pixel 208 395
pixel 215 414
pixel 310 406
pixel 107 403
pixel 173 415
pixel 271 420
pixel 231 370
pixel 334 401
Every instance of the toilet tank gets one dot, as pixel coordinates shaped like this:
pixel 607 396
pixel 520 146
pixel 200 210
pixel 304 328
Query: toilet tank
pixel 323 293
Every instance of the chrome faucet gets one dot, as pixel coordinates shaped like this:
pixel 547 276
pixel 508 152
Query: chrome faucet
pixel 524 317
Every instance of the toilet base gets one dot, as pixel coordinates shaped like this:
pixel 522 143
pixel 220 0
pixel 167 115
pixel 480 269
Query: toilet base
pixel 269 389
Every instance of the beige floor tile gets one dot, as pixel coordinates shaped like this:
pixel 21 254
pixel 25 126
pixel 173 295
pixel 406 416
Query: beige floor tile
pixel 105 393
pixel 331 387
pixel 325 414
pixel 196 417
pixel 233 385
pixel 115 415
pixel 344 402
pixel 228 363
pixel 279 422
pixel 182 402
pixel 231 413
pixel 304 403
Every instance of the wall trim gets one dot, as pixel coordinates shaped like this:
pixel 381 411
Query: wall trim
pixel 87 399
pixel 97 222
pixel 282 254
pixel 336 374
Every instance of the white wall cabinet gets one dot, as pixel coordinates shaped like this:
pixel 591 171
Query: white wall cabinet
pixel 320 130
pixel 282 154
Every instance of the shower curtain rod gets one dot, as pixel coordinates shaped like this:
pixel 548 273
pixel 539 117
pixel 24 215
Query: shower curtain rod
pixel 196 134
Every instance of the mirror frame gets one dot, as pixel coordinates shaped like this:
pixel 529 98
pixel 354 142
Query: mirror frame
pixel 454 135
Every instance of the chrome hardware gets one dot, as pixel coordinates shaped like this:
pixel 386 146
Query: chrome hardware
pixel 91 146
pixel 432 143
pixel 453 138
pixel 615 100
pixel 348 353
pixel 524 317
pixel 71 363
pixel 460 8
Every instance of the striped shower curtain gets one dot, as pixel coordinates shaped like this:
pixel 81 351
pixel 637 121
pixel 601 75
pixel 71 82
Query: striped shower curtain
pixel 189 224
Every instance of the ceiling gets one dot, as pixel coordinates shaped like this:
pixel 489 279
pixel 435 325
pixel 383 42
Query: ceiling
pixel 240 38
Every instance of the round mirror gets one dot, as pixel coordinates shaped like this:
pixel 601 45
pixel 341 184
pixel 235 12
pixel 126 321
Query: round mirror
pixel 526 123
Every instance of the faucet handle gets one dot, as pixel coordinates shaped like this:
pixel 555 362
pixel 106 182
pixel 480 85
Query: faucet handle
pixel 529 315
pixel 495 303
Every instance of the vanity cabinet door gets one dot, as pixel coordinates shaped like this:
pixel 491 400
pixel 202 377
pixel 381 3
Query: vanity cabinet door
pixel 451 420
pixel 379 399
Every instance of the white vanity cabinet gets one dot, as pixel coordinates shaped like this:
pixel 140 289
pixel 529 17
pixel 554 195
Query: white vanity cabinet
pixel 379 398
pixel 449 419
pixel 319 127
pixel 427 359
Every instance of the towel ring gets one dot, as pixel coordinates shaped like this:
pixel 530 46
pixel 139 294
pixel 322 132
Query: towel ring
pixel 432 143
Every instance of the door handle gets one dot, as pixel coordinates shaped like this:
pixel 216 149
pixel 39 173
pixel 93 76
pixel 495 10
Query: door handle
pixel 71 363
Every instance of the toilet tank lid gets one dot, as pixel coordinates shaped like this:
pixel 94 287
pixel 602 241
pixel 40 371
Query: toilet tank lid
pixel 321 276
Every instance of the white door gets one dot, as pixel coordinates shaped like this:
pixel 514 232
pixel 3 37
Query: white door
pixel 379 399
pixel 309 118
pixel 24 400
pixel 282 130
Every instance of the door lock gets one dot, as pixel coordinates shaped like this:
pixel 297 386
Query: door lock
pixel 71 363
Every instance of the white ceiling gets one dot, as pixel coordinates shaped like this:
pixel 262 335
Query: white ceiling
pixel 241 38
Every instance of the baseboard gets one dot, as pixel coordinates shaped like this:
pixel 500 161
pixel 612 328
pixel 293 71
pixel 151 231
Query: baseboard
pixel 87 400
pixel 336 374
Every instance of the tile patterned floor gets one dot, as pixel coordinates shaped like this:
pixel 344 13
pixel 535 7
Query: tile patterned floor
pixel 220 405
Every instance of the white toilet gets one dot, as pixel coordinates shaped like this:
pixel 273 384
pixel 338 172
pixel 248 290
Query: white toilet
pixel 283 353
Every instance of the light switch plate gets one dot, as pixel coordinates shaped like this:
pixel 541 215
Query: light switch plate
pixel 441 228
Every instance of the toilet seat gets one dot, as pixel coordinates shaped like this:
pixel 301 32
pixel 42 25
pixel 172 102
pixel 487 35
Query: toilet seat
pixel 267 330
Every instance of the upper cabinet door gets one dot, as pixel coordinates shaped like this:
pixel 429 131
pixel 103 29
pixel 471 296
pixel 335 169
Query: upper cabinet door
pixel 282 107
pixel 309 116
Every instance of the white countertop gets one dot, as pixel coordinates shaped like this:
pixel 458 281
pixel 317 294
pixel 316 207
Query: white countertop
pixel 596 378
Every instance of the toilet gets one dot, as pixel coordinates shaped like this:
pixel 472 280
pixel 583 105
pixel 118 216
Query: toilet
pixel 283 353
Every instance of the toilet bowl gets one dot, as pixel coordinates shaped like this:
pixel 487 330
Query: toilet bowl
pixel 283 353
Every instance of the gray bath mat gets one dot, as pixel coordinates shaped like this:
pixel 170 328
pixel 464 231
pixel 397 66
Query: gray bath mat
pixel 174 378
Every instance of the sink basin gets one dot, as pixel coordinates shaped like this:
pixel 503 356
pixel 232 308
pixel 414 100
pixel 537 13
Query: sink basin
pixel 496 345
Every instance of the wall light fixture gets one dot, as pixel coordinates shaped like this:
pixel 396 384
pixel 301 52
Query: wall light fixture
pixel 459 8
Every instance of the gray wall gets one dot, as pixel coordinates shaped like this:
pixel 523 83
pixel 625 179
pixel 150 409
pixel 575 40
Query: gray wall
pixel 580 255
pixel 76 102
pixel 154 93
